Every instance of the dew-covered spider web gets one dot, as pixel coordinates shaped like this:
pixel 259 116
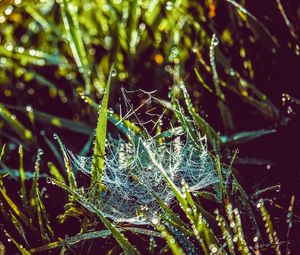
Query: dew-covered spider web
pixel 131 180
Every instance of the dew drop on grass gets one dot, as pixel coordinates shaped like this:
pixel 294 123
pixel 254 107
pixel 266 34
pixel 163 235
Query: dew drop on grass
pixel 169 6
pixel 297 50
pixel 29 108
pixel 155 221
pixel 9 47
pixel 80 69
pixel 113 72
pixel 214 40
pixel 40 152
pixel 48 180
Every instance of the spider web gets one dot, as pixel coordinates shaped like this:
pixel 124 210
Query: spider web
pixel 131 180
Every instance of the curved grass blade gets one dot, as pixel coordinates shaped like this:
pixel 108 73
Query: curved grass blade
pixel 16 210
pixel 120 238
pixel 17 126
pixel 34 57
pixel 63 123
pixel 34 185
pixel 224 110
pixel 19 227
pixel 173 132
pixel 269 227
pixel 127 127
pixel 90 235
pixel 254 161
pixel 71 177
pixel 72 240
pixel 14 140
pixel 171 241
pixel 199 77
pixel 55 172
pixel 186 124
pixel 143 231
pixel 261 32
pixel 18 246
pixel 247 136
pixel 170 217
pixel 54 150
pixel 39 17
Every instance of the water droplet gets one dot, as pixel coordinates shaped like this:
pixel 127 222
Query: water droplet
pixel 40 152
pixel 48 179
pixel 20 49
pixel 32 52
pixel 9 46
pixel 189 211
pixel 154 221
pixel 231 72
pixel 297 50
pixel 8 10
pixel 55 136
pixel 214 40
pixel 3 61
pixel 278 188
pixel 169 6
pixel 214 249
pixel 29 108
pixel 108 42
pixel 2 19
pixel 113 72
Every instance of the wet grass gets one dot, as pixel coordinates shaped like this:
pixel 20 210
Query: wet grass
pixel 71 67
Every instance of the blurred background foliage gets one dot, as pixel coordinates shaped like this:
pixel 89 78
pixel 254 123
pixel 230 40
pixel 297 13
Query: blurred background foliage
pixel 51 52
pixel 55 57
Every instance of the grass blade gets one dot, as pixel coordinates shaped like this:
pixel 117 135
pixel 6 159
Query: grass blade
pixel 70 19
pixel 243 137
pixel 206 129
pixel 100 140
pixel 120 238
pixel 2 152
pixel 22 180
pixel 17 126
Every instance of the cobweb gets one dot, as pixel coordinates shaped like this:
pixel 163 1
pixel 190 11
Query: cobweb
pixel 131 180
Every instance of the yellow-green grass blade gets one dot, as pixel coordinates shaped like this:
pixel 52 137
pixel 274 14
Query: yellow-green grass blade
pixel 100 139
pixel 127 247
